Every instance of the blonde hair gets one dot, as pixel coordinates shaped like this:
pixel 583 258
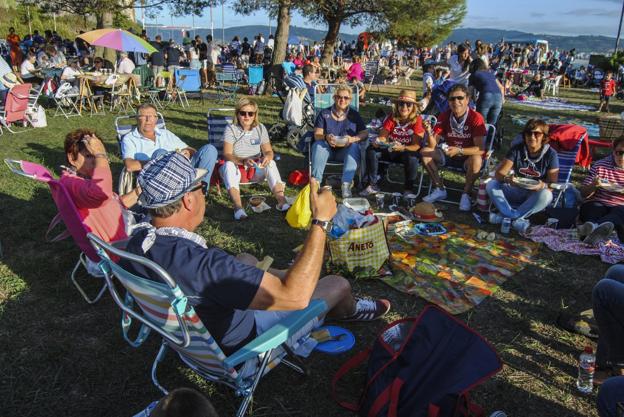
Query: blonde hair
pixel 342 87
pixel 415 109
pixel 244 102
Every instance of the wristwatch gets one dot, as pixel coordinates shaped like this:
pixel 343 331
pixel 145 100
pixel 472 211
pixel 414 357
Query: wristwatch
pixel 324 224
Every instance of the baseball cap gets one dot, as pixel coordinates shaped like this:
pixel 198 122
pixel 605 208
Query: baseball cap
pixel 166 179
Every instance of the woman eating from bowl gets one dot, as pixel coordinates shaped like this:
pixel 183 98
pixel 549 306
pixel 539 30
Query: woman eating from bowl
pixel 520 187
pixel 399 141
pixel 337 132
pixel 603 190
pixel 246 145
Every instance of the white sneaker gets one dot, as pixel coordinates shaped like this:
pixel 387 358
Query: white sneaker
pixel 240 214
pixel 346 190
pixel 496 218
pixel 436 194
pixel 521 225
pixel 464 202
pixel 371 189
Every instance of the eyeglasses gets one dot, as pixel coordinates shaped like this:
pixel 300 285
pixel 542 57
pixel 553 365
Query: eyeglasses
pixel 618 153
pixel 405 104
pixel 456 98
pixel 201 186
pixel 538 134
pixel 147 116
pixel 246 113
pixel 343 98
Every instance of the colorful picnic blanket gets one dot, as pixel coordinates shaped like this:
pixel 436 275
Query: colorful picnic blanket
pixel 455 270
pixel 610 251
pixel 551 103
pixel 592 128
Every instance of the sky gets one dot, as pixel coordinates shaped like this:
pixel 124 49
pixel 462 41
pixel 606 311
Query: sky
pixel 556 17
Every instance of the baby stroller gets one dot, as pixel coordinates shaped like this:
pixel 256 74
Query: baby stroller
pixel 287 130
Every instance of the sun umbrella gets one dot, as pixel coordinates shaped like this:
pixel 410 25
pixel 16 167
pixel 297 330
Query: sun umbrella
pixel 118 39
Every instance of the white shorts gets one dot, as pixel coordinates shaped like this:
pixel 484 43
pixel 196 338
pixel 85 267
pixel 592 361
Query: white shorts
pixel 231 175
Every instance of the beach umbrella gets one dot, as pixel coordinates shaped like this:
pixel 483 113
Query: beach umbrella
pixel 118 39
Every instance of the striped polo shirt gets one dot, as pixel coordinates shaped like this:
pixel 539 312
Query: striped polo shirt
pixel 605 169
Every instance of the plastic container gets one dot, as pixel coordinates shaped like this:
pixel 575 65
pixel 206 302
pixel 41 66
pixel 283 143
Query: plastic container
pixel 506 225
pixel 356 203
pixel 586 367
pixel 342 221
pixel 380 200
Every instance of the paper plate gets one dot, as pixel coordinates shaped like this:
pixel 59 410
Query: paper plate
pixel 525 182
pixel 335 347
pixel 614 188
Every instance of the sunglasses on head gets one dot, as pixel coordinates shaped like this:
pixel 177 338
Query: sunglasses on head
pixel 343 98
pixel 246 113
pixel 201 186
pixel 456 98
pixel 405 104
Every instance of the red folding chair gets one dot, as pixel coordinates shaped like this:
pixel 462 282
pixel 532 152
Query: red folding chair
pixel 15 107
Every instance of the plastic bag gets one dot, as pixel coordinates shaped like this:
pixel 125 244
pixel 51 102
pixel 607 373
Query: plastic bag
pixel 299 214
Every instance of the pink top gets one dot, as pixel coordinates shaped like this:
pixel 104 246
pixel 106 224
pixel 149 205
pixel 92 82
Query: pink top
pixel 99 208
pixel 355 72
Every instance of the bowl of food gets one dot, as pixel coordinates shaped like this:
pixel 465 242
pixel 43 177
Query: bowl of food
pixel 341 140
pixel 256 200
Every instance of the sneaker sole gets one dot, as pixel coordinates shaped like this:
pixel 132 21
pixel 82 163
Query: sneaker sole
pixel 599 233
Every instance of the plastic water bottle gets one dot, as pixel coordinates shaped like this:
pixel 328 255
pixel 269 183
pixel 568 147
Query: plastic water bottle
pixel 587 363
pixel 505 225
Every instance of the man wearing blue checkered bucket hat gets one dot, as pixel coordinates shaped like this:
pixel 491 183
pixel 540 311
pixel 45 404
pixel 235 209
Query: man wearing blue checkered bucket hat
pixel 230 294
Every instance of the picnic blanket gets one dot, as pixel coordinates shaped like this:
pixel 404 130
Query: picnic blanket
pixel 567 240
pixel 550 103
pixel 593 129
pixel 456 270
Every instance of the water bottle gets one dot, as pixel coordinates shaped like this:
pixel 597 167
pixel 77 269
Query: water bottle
pixel 587 362
pixel 505 225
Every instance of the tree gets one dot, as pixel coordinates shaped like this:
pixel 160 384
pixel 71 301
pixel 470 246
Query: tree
pixel 392 17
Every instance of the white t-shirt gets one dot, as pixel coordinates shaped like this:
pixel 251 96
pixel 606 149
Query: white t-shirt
pixel 69 74
pixel 27 68
pixel 126 66
pixel 458 74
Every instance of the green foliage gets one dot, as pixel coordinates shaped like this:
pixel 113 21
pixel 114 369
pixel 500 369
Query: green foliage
pixel 425 22
pixel 616 60
pixel 67 25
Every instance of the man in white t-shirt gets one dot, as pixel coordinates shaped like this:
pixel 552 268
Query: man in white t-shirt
pixel 125 65
pixel 71 72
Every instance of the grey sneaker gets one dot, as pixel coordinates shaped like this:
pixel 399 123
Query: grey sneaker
pixel 370 190
pixel 521 225
pixel 585 229
pixel 346 190
pixel 600 233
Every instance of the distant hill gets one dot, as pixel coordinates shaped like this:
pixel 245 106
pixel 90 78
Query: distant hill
pixel 249 32
pixel 582 43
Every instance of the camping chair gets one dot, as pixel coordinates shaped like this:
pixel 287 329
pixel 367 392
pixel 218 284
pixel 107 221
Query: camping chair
pixel 489 145
pixel 255 75
pixel 68 214
pixel 163 308
pixel 432 120
pixel 33 97
pixel 567 160
pixel 552 85
pixel 227 86
pixel 123 126
pixel 119 95
pixel 188 81
pixel 15 107
pixel 406 75
pixel 66 100
pixel 371 71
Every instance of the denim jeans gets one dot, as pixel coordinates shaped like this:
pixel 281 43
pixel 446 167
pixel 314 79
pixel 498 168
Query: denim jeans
pixel 505 197
pixel 204 158
pixel 323 152
pixel 490 105
pixel 608 306
pixel 407 158
pixel 611 392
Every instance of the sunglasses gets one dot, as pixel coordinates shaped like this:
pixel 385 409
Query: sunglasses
pixel 456 98
pixel 405 104
pixel 343 98
pixel 201 186
pixel 619 153
pixel 246 113
pixel 538 134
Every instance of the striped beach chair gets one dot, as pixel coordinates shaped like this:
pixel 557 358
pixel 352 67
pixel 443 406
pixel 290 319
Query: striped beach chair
pixel 163 308
pixel 566 164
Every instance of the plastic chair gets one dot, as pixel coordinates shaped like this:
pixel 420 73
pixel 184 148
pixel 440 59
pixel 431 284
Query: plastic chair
pixel 123 126
pixel 489 145
pixel 163 308
pixel 187 81
pixel 552 85
pixel 68 214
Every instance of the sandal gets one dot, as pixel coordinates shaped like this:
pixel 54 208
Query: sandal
pixel 580 324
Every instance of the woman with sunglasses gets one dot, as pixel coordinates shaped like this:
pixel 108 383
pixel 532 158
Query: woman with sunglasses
pixel 603 191
pixel 399 141
pixel 337 132
pixel 246 146
pixel 90 185
pixel 532 159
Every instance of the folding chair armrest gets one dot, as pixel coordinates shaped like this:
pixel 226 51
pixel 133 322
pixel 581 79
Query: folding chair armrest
pixel 277 334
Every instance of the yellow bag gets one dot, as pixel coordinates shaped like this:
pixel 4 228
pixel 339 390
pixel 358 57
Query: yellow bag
pixel 366 248
pixel 299 214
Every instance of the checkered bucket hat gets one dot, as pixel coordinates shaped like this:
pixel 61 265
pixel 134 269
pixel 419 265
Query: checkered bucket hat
pixel 166 179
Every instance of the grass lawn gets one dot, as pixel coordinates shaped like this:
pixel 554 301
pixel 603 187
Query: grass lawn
pixel 62 357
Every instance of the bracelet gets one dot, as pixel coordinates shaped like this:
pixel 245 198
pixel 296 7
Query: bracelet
pixel 101 155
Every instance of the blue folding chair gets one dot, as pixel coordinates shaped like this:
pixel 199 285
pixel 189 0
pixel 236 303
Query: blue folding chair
pixel 163 308
pixel 188 81
pixel 567 160
pixel 227 83
pixel 255 74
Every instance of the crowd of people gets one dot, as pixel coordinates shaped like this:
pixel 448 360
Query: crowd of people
pixel 235 299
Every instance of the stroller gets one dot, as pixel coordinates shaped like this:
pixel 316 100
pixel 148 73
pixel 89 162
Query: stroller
pixel 291 132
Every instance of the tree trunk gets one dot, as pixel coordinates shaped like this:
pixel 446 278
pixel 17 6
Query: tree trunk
pixel 330 40
pixel 105 20
pixel 281 33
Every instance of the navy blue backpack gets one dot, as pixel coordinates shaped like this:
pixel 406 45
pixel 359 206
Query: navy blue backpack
pixel 422 367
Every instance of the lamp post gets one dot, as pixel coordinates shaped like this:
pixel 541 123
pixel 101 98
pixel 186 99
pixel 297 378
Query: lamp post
pixel 223 22
pixel 617 39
